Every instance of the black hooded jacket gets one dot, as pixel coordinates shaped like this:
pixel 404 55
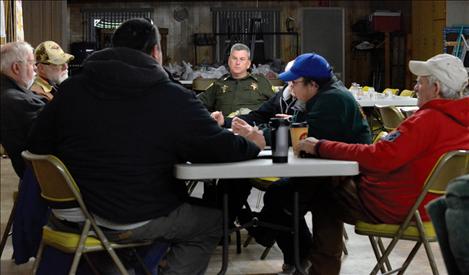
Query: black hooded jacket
pixel 121 125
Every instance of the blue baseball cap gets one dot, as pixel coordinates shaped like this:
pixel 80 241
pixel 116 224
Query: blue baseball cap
pixel 309 65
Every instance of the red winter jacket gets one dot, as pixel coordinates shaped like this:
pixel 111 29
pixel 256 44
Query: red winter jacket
pixel 394 169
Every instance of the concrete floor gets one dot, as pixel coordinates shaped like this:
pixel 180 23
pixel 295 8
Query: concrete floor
pixel 359 261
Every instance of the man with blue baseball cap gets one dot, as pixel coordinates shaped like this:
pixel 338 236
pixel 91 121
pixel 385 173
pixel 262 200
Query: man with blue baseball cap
pixel 332 112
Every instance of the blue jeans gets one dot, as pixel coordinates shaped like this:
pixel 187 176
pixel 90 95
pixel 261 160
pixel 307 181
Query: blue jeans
pixel 450 217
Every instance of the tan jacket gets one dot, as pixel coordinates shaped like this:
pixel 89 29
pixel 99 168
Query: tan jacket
pixel 42 87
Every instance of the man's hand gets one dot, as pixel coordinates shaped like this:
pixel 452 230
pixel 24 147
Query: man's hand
pixel 218 117
pixel 241 127
pixel 307 146
pixel 253 134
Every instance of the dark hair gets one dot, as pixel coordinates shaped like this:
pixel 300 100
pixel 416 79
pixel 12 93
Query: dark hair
pixel 319 81
pixel 138 33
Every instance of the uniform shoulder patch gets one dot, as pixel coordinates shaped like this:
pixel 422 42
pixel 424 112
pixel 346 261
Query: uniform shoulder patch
pixel 391 136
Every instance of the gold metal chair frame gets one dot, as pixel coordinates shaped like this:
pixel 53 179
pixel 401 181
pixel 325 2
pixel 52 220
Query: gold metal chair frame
pixel 391 116
pixel 58 186
pixel 448 167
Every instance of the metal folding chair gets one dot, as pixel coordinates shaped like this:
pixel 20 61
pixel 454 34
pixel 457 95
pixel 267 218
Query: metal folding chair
pixel 391 116
pixel 58 187
pixel 448 167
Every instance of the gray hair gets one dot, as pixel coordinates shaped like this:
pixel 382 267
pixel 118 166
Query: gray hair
pixel 240 47
pixel 445 91
pixel 14 52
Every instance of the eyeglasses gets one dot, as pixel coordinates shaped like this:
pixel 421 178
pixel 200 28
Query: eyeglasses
pixel 296 82
pixel 29 62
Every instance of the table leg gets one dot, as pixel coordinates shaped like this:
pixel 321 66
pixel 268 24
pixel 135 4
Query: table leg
pixel 224 266
pixel 296 240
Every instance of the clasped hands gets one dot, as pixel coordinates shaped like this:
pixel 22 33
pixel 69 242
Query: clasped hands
pixel 304 148
pixel 242 128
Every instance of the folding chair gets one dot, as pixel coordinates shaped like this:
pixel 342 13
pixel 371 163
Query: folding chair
pixel 379 136
pixel 59 188
pixel 408 93
pixel 448 167
pixel 7 231
pixel 391 116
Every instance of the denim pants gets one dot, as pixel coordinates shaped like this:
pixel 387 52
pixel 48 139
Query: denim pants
pixel 450 217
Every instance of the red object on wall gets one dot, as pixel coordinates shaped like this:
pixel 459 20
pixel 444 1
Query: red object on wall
pixel 386 21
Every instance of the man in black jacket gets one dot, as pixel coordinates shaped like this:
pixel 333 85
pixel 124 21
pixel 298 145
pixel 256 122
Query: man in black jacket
pixel 121 126
pixel 19 106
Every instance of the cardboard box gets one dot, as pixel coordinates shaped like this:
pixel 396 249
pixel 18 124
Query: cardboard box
pixel 385 21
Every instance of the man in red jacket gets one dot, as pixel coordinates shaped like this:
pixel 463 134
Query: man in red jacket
pixel 393 170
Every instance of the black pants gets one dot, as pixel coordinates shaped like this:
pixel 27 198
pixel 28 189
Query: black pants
pixel 238 191
pixel 278 209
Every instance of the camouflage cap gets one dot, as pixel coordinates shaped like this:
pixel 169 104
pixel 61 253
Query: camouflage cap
pixel 51 52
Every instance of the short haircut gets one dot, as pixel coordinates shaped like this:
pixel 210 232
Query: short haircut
pixel 445 91
pixel 240 47
pixel 319 81
pixel 14 52
pixel 138 33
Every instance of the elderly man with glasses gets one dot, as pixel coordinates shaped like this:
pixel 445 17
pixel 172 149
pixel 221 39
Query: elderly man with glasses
pixel 19 106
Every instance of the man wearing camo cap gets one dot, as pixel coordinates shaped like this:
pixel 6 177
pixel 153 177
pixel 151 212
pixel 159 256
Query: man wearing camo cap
pixel 52 69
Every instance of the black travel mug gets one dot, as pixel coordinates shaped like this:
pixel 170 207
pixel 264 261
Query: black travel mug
pixel 279 131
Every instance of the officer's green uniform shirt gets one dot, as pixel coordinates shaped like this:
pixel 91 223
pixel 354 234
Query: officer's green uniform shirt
pixel 229 95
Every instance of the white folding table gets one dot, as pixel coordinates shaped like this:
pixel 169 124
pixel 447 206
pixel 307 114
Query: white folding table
pixel 263 167
pixel 394 101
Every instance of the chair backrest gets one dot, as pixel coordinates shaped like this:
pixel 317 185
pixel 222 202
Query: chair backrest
pixel 276 82
pixel 56 183
pixel 390 116
pixel 448 167
pixel 409 93
pixel 379 136
pixel 202 84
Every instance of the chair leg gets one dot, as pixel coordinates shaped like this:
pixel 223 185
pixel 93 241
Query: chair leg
pixel 140 261
pixel 345 234
pixel 80 248
pixel 38 257
pixel 266 252
pixel 381 247
pixel 344 248
pixel 426 244
pixel 376 251
pixel 431 258
pixel 238 242
pixel 109 249
pixel 410 257
pixel 90 264
pixel 6 233
pixel 247 241
pixel 385 255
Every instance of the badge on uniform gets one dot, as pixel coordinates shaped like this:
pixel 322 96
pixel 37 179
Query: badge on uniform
pixel 391 136
pixel 254 86
pixel 224 88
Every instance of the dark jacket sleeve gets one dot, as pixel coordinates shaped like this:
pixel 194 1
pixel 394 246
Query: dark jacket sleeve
pixel 200 139
pixel 327 118
pixel 19 111
pixel 266 111
pixel 43 136
pixel 208 97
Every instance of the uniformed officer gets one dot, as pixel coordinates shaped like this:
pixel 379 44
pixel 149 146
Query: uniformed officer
pixel 238 92
pixel 52 69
